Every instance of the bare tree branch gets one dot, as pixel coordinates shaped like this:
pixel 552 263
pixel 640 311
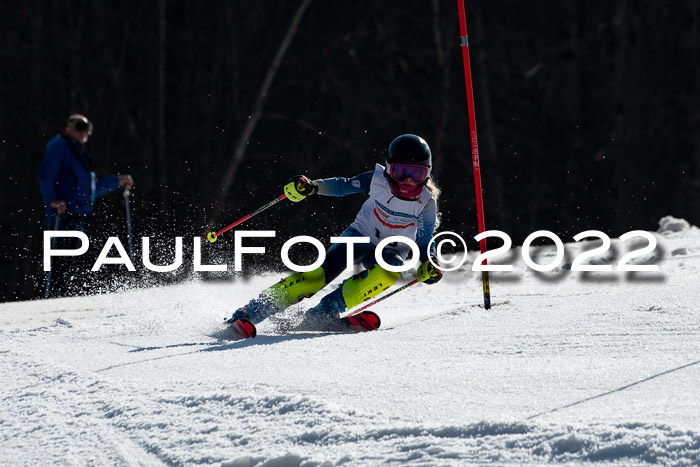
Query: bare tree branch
pixel 256 113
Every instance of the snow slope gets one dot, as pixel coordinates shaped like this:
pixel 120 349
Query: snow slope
pixel 565 367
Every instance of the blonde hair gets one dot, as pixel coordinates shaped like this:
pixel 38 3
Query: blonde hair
pixel 435 191
pixel 433 188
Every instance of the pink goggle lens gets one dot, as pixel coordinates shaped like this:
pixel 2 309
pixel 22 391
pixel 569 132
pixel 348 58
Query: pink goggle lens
pixel 402 172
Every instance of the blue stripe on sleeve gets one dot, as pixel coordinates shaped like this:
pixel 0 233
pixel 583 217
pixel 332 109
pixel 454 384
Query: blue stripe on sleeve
pixel 426 228
pixel 341 186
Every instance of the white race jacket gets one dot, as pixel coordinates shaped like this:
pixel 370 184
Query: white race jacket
pixel 384 214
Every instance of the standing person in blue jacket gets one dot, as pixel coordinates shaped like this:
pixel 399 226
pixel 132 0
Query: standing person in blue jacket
pixel 402 201
pixel 68 182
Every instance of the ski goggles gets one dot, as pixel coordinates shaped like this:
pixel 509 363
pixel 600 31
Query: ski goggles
pixel 402 172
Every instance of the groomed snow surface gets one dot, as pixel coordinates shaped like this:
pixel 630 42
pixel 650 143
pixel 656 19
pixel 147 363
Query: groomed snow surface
pixel 565 367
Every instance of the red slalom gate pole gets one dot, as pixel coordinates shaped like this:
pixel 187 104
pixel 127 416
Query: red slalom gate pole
pixel 475 146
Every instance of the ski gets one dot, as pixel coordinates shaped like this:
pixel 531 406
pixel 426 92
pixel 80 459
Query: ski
pixel 360 322
pixel 363 321
pixel 243 328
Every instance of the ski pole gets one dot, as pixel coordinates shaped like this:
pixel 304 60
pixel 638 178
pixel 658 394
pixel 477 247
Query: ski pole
pixel 212 236
pixel 48 274
pixel 127 193
pixel 383 297
pixel 475 146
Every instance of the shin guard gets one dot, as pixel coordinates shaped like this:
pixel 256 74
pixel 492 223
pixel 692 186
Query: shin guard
pixel 367 284
pixel 295 288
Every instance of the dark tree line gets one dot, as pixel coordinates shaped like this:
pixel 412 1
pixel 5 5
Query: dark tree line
pixel 587 112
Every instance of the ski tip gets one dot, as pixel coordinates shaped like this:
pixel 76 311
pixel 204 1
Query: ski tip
pixel 244 328
pixel 211 236
pixel 364 321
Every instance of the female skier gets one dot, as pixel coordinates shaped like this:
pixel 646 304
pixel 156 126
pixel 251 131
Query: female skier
pixel 402 201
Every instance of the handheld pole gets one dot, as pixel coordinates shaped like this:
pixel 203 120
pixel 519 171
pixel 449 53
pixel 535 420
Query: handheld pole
pixel 211 236
pixel 475 146
pixel 127 193
pixel 383 297
pixel 47 290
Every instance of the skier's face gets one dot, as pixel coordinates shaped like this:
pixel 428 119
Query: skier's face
pixel 81 136
pixel 408 179
pixel 401 173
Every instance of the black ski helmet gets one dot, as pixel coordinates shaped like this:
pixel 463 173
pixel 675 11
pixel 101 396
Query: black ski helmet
pixel 409 149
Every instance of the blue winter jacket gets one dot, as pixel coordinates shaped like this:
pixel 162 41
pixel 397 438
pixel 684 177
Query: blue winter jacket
pixel 66 174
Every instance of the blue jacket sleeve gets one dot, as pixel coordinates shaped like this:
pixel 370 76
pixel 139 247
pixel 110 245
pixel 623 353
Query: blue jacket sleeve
pixel 48 171
pixel 340 186
pixel 106 184
pixel 426 227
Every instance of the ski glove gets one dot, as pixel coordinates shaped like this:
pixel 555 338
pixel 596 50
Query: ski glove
pixel 428 274
pixel 299 188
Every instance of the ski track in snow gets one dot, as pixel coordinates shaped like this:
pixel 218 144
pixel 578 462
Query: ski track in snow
pixel 602 369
